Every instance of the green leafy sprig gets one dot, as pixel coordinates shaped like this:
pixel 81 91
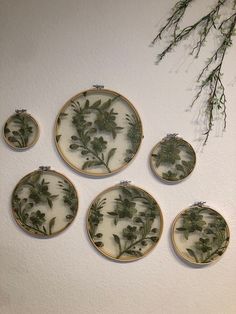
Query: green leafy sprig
pixel 134 136
pixel 86 139
pixel 210 77
pixel 211 229
pixel 94 219
pixel 169 155
pixel 20 136
pixel 139 231
pixel 38 190
pixel 69 198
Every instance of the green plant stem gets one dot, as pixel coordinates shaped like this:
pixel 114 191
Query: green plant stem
pixel 214 79
pixel 184 33
pixel 22 140
pixel 174 20
pixel 130 246
pixel 216 101
pixel 95 155
pixel 213 253
pixel 20 145
pixel 30 227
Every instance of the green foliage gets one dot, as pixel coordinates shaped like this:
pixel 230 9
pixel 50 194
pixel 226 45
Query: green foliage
pixel 37 218
pixel 169 156
pixel 211 75
pixel 139 232
pixel 38 193
pixel 94 219
pixel 124 209
pixel 69 198
pixel 60 117
pixel 58 137
pixel 134 136
pixel 210 229
pixel 86 139
pixel 192 221
pixel 19 136
pixel 51 224
pixel 98 144
pixel 130 233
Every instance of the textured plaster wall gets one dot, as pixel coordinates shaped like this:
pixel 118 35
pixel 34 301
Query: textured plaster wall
pixel 52 49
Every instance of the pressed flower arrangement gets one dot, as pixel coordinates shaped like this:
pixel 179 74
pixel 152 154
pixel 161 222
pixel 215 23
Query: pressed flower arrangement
pixel 98 132
pixel 124 222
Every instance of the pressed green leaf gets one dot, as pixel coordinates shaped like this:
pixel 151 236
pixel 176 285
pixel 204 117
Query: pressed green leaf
pixel 179 167
pixel 6 130
pixel 110 154
pixel 127 192
pixel 154 230
pixel 51 224
pixel 74 138
pixel 69 217
pixel 191 253
pixel 106 105
pixel 113 132
pixel 134 253
pixel 98 235
pixel 96 104
pixel 74 146
pixel 35 177
pixel 99 244
pixel 112 213
pixel 52 197
pixel 154 239
pixel 181 229
pixel 138 220
pixel 86 106
pixel 91 163
pixel 92 130
pixel 116 238
pixel 49 202
pixel 58 137
pixel 12 139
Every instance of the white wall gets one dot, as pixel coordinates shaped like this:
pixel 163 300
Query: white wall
pixel 52 49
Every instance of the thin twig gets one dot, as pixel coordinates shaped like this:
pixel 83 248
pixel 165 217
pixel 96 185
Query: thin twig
pixel 211 74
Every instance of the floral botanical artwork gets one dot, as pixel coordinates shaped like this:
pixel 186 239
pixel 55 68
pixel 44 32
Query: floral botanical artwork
pixel 172 159
pixel 44 203
pixel 98 132
pixel 200 234
pixel 216 24
pixel 21 130
pixel 124 222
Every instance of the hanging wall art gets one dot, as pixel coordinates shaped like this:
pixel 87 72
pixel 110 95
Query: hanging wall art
pixel 172 159
pixel 200 235
pixel 21 131
pixel 44 202
pixel 124 222
pixel 98 132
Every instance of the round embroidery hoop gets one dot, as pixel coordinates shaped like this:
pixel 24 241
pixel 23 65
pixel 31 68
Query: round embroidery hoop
pixel 172 159
pixel 44 202
pixel 200 235
pixel 21 130
pixel 98 132
pixel 124 222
